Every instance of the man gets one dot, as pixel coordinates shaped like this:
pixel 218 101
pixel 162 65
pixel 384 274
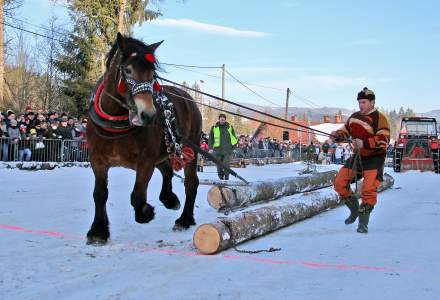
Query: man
pixel 222 140
pixel 370 132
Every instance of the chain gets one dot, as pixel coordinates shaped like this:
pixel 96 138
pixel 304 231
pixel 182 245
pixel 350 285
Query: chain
pixel 271 249
pixel 167 108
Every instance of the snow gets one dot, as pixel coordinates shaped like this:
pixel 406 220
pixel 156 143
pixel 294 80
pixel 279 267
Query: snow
pixel 44 216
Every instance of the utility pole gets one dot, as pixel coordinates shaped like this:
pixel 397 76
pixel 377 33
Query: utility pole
pixel 287 103
pixel 223 85
pixel 2 54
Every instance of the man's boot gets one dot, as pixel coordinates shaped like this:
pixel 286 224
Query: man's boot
pixel 364 216
pixel 353 204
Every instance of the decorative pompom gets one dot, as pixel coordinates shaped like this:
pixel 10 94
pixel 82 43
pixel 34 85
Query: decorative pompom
pixel 122 88
pixel 157 86
pixel 188 154
pixel 150 57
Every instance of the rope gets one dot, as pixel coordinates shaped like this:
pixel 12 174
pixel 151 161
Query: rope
pixel 240 115
pixel 246 107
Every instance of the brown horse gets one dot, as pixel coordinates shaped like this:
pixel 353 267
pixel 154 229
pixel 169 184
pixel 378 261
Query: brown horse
pixel 127 130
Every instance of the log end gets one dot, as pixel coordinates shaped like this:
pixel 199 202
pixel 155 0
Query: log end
pixel 215 198
pixel 207 239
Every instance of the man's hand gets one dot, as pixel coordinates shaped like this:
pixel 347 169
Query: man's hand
pixel 358 144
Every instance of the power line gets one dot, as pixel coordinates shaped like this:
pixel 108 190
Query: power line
pixel 35 25
pixel 32 32
pixel 236 79
pixel 189 66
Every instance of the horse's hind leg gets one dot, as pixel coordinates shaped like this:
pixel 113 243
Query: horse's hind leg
pixel 99 231
pixel 144 212
pixel 191 185
pixel 167 197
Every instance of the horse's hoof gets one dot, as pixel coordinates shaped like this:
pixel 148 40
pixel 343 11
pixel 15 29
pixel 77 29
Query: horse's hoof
pixel 178 227
pixel 183 223
pixel 171 201
pixel 98 234
pixel 96 241
pixel 145 215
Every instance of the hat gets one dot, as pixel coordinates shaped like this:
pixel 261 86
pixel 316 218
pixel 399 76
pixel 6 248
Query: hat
pixel 9 112
pixel 64 119
pixel 31 113
pixel 366 94
pixel 13 122
pixel 33 131
pixel 84 120
pixel 222 115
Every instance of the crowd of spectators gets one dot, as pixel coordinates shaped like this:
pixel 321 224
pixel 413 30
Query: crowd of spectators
pixel 41 136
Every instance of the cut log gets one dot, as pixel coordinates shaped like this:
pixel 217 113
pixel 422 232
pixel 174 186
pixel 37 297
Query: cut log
pixel 229 197
pixel 228 232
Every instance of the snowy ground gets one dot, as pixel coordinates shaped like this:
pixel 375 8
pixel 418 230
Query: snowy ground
pixel 45 215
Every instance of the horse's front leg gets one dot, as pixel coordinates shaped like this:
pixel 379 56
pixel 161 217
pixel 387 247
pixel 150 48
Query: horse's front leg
pixel 191 185
pixel 99 231
pixel 167 197
pixel 144 212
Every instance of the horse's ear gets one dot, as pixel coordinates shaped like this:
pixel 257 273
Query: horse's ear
pixel 154 46
pixel 120 41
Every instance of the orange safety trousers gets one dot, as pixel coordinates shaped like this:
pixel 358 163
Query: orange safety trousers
pixel 369 185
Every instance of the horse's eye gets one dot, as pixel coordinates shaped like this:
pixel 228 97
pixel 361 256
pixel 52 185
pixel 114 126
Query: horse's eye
pixel 127 71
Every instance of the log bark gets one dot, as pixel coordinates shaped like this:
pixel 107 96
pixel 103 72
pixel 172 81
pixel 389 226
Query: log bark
pixel 229 197
pixel 228 232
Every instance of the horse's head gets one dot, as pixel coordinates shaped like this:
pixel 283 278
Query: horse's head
pixel 133 64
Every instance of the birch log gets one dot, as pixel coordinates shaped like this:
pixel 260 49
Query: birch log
pixel 221 197
pixel 228 232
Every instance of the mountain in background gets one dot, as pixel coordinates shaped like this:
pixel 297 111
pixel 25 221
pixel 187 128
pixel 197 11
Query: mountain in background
pixel 317 114
pixel 432 114
pixel 301 113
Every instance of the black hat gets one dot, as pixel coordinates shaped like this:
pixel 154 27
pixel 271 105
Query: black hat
pixel 222 115
pixel 366 94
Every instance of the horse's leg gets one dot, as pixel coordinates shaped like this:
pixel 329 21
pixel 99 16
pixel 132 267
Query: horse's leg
pixel 143 211
pixel 167 197
pixel 191 185
pixel 99 231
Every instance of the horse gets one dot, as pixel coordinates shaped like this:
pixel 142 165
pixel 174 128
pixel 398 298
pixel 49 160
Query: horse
pixel 127 130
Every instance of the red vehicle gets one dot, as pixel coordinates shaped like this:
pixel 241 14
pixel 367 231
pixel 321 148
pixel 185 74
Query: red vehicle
pixel 417 146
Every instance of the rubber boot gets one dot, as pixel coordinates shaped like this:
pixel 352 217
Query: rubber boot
pixel 353 204
pixel 364 216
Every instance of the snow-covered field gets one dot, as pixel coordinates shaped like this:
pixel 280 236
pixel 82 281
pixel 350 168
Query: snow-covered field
pixel 44 216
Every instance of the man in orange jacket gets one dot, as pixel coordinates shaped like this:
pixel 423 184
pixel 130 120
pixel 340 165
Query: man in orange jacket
pixel 370 133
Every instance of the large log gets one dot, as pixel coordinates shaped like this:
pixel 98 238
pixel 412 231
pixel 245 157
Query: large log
pixel 229 197
pixel 228 232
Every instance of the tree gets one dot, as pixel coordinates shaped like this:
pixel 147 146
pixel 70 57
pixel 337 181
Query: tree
pixel 96 23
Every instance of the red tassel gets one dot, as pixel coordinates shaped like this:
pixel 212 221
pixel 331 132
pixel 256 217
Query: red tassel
pixel 150 57
pixel 122 88
pixel 156 86
pixel 188 154
pixel 176 162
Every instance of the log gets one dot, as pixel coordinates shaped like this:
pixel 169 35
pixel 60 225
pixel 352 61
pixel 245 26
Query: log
pixel 228 232
pixel 229 197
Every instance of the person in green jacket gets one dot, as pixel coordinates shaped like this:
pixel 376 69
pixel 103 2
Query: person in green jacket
pixel 222 140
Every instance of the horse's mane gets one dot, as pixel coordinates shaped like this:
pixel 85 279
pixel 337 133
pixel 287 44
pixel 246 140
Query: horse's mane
pixel 131 45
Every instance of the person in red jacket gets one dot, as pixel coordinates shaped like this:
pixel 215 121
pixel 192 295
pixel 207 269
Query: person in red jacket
pixel 370 133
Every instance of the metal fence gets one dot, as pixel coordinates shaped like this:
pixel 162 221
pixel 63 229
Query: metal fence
pixel 43 150
pixel 57 150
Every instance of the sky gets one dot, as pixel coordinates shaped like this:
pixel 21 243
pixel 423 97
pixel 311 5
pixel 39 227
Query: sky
pixel 323 51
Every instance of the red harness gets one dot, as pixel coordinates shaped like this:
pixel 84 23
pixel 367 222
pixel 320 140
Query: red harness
pixel 105 116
